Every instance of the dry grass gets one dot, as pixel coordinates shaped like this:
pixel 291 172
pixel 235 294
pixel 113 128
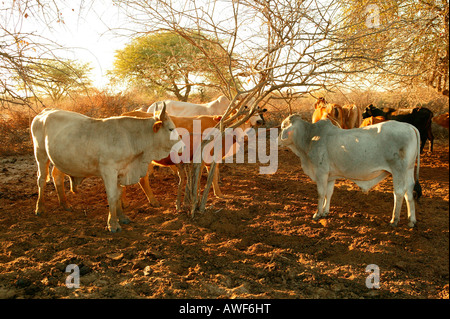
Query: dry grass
pixel 15 136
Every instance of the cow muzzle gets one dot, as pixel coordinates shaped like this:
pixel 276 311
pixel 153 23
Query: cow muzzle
pixel 284 136
pixel 261 121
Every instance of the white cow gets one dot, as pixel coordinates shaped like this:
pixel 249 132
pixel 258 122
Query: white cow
pixel 118 149
pixel 216 107
pixel 183 109
pixel 365 156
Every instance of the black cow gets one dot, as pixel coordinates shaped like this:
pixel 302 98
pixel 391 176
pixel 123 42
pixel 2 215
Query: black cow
pixel 420 117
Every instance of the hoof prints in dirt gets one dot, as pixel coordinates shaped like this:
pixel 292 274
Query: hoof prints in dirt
pixel 259 242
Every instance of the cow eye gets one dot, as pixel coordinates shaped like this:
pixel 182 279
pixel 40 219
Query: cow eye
pixel 171 129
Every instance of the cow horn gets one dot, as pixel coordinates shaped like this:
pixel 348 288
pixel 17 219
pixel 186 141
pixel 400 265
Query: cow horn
pixel 163 112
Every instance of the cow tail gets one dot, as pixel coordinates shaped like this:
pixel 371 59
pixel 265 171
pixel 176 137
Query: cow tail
pixel 417 191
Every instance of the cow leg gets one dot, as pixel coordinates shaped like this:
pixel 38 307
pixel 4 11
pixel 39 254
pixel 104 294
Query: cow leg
pixel 42 162
pixel 330 189
pixel 215 182
pixel 120 214
pixel 113 193
pixel 423 139
pixel 410 200
pixel 145 185
pixel 322 192
pixel 58 181
pixel 399 193
pixel 430 137
pixel 181 182
pixel 124 200
pixel 74 183
pixel 398 201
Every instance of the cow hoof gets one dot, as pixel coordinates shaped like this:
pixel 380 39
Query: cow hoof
pixel 393 223
pixel 40 212
pixel 125 220
pixel 155 204
pixel 68 208
pixel 114 229
pixel 316 217
pixel 411 224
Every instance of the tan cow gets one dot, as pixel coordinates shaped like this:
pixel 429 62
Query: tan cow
pixel 351 116
pixel 372 120
pixel 324 110
pixel 442 120
pixel 118 149
pixel 187 123
pixel 347 117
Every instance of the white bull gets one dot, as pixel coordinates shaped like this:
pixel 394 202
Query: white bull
pixel 184 109
pixel 365 156
pixel 118 149
pixel 216 107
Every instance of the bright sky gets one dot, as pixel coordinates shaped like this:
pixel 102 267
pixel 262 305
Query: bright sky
pixel 90 33
pixel 87 36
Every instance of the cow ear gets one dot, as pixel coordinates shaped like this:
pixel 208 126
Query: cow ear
pixel 217 118
pixel 329 108
pixel 319 101
pixel 157 126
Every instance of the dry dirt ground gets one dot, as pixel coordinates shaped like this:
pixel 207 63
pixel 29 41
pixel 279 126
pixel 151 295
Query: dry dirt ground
pixel 260 242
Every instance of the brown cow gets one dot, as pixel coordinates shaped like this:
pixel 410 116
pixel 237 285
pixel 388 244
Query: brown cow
pixel 441 120
pixel 207 121
pixel 324 110
pixel 351 117
pixel 347 117
pixel 372 120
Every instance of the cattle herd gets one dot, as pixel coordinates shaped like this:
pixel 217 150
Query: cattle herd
pixel 364 146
